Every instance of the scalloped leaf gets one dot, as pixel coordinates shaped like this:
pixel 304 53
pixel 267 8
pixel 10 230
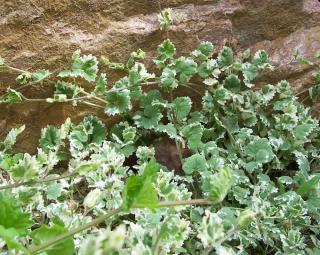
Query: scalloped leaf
pixel 139 191
pixel 195 163
pixel 46 233
pixel 118 102
pixel 181 107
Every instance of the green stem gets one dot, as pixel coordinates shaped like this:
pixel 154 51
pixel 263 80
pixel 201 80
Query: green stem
pixel 156 246
pixel 45 99
pixel 175 124
pixel 74 231
pixel 92 104
pixel 184 85
pixel 94 97
pixel 15 69
pixel 27 183
pixel 185 202
pixel 104 217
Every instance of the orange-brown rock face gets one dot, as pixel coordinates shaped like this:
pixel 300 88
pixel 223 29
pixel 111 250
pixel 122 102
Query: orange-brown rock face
pixel 43 34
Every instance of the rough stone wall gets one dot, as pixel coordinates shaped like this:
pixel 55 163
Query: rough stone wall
pixel 44 33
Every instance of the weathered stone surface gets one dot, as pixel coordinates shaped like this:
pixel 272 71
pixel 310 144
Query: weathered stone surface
pixel 36 33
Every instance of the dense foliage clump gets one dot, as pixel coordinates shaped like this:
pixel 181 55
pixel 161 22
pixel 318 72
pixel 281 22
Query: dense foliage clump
pixel 249 184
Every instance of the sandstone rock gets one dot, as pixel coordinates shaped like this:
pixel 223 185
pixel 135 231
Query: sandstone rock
pixel 36 33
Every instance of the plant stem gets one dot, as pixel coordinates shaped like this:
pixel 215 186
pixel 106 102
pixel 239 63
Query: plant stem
pixel 45 99
pixel 18 184
pixel 74 231
pixel 104 217
pixel 173 117
pixel 92 104
pixel 156 247
pixel 94 97
pixel 185 202
pixel 184 85
pixel 15 69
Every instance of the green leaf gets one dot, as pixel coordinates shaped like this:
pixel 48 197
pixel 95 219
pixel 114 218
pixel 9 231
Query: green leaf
pixel 222 95
pixel 246 54
pixel 11 217
pixel 92 198
pixel 150 97
pixel 165 19
pixel 195 163
pixel 302 131
pixel 168 79
pixel 40 75
pixel 139 191
pixel 85 167
pixel 129 134
pixel 186 67
pixel 66 88
pixel 232 83
pixel 12 97
pixel 11 138
pixel 9 236
pixel 54 190
pixel 24 78
pixel 90 131
pixel 50 138
pixel 268 92
pixel 181 107
pixel 118 102
pixel 225 57
pixel 46 233
pixel 250 72
pixel 168 129
pixel 231 122
pixel 308 186
pixel 149 118
pixel 8 161
pixel 211 232
pixel 101 85
pixel 245 218
pixel 219 185
pixel 138 73
pixel 314 93
pixel 166 51
pixel 1 61
pixel 261 59
pixel 260 150
pixel 303 163
pixel 85 66
pixel 27 168
pixel 193 133
pixel 207 102
pixel 249 119
pixel 204 51
pixel 138 54
pixel 204 71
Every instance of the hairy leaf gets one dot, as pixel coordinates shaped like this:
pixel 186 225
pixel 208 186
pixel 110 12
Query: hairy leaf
pixel 85 66
pixel 118 102
pixel 166 51
pixel 204 51
pixel 260 150
pixel 139 191
pixel 186 67
pixel 195 163
pixel 225 57
pixel 46 233
pixel 181 107
pixel 11 216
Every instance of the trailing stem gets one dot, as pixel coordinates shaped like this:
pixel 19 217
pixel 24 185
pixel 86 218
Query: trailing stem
pixel 101 219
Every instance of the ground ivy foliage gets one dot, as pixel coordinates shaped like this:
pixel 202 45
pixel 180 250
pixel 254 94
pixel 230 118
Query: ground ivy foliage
pixel 249 156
